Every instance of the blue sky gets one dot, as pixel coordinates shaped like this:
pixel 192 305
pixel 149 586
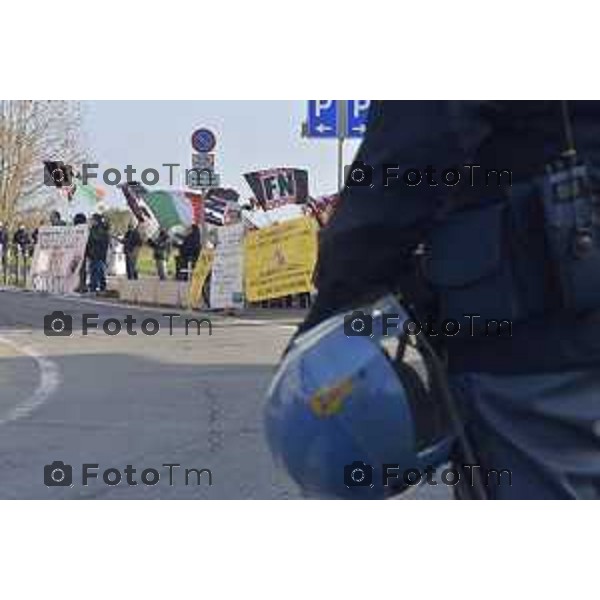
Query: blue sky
pixel 250 135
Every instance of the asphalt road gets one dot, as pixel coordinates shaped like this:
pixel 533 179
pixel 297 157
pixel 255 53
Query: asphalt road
pixel 147 401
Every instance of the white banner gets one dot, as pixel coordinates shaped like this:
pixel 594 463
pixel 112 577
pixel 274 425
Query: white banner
pixel 57 258
pixel 226 287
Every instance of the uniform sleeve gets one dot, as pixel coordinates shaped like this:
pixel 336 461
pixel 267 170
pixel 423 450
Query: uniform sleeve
pixel 366 248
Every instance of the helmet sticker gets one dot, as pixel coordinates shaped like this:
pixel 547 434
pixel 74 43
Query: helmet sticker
pixel 328 401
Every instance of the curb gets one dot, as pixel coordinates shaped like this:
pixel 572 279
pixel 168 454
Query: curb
pixel 292 316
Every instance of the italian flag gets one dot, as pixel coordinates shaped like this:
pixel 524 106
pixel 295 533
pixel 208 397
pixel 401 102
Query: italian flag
pixel 171 207
pixel 86 194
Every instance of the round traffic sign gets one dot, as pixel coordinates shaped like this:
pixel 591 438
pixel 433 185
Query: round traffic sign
pixel 203 140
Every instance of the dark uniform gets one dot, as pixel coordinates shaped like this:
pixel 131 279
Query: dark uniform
pixel 482 246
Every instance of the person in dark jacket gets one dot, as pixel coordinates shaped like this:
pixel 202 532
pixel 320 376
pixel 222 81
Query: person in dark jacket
pixel 132 242
pixel 160 251
pixel 21 240
pixel 189 251
pixel 56 219
pixel 466 248
pixel 34 240
pixel 3 244
pixel 96 253
pixel 81 219
pixel 105 224
pixel 21 244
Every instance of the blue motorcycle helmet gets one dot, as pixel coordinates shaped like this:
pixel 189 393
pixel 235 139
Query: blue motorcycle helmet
pixel 358 406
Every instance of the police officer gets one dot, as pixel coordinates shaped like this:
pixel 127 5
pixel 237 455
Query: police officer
pixel 453 205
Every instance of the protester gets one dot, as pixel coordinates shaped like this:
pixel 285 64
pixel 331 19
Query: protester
pixel 188 252
pixel 56 219
pixel 177 242
pixel 96 251
pixel 132 242
pixel 160 251
pixel 105 225
pixel 3 242
pixel 192 244
pixel 21 243
pixel 81 219
pixel 21 240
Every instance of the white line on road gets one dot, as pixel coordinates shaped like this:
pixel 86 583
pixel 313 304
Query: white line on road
pixel 50 380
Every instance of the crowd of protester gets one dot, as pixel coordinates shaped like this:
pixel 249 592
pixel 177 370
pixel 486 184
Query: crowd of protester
pixel 100 239
pixel 187 247
pixel 22 241
pixel 19 245
pixel 101 242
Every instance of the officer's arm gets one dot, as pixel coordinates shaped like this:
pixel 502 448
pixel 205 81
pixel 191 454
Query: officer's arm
pixel 365 250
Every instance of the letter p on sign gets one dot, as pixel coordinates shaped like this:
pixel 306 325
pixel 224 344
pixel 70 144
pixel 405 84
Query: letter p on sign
pixel 322 106
pixel 359 107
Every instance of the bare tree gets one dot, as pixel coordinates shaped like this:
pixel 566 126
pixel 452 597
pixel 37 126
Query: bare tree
pixel 32 131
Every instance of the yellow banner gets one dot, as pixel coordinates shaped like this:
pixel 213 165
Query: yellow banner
pixel 201 270
pixel 279 260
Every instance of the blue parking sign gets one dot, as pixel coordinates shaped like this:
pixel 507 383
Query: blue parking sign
pixel 322 118
pixel 358 110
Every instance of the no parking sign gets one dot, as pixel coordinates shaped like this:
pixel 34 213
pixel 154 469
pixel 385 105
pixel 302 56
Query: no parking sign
pixel 203 140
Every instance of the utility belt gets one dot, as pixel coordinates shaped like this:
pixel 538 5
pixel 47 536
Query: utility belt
pixel 531 252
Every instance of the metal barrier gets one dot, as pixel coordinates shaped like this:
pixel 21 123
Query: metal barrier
pixel 16 263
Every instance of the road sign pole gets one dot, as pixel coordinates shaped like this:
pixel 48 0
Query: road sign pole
pixel 342 124
pixel 340 162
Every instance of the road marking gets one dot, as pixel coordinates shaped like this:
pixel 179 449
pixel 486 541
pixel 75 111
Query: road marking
pixel 274 322
pixel 50 380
